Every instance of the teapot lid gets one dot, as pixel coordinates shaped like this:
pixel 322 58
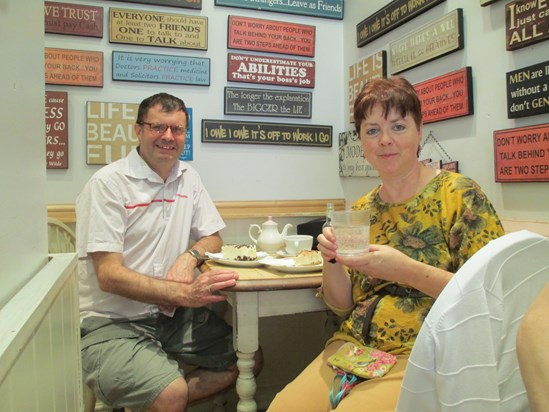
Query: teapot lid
pixel 270 222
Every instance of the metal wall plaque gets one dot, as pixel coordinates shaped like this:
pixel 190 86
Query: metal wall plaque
pixel 528 91
pixel 447 96
pixel 351 156
pixel 267 102
pixel 158 29
pixel 246 33
pixel 431 41
pixel 73 19
pixel 226 131
pixel 522 154
pixel 369 68
pixel 389 18
pixel 249 68
pixel 73 67
pixel 57 136
pixel 187 4
pixel 160 68
pixel 330 9
pixel 526 23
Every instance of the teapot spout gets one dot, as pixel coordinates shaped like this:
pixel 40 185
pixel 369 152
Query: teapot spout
pixel 285 230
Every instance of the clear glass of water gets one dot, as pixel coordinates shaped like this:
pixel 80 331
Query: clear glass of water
pixel 352 231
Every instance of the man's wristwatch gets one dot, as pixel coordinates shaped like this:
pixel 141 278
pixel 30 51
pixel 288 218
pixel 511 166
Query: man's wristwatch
pixel 196 254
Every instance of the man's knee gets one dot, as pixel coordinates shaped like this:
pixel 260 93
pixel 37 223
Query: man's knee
pixel 173 398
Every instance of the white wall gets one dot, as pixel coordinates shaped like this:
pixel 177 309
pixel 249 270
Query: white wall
pixel 468 139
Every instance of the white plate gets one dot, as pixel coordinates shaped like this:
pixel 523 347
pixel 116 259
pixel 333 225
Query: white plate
pixel 287 265
pixel 218 258
pixel 284 254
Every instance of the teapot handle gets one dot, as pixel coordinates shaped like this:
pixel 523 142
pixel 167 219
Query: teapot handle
pixel 250 232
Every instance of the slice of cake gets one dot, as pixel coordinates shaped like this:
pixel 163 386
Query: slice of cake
pixel 239 252
pixel 308 258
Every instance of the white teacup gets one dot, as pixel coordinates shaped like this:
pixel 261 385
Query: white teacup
pixel 296 243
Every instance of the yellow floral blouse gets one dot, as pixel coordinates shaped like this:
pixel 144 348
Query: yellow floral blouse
pixel 442 226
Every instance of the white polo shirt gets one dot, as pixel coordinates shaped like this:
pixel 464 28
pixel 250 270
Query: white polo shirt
pixel 127 208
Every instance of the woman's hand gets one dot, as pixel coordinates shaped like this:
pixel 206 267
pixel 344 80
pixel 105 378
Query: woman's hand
pixel 326 244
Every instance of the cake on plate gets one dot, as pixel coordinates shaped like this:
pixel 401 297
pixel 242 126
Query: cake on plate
pixel 239 252
pixel 308 258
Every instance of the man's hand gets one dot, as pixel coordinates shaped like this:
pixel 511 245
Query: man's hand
pixel 205 287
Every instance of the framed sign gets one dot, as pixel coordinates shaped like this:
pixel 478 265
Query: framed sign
pixel 351 156
pixel 431 41
pixel 249 68
pixel 484 3
pixel 522 154
pixel 447 96
pixel 158 29
pixel 267 102
pixel 528 91
pixel 526 23
pixel 187 4
pixel 330 9
pixel 73 19
pixel 226 131
pixel 73 67
pixel 57 137
pixel 160 68
pixel 246 33
pixel 389 18
pixel 369 68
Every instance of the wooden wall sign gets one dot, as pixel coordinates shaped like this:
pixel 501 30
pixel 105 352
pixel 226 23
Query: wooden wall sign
pixel 246 33
pixel 73 19
pixel 158 29
pixel 351 156
pixel 249 68
pixel 528 91
pixel 369 68
pixel 57 136
pixel 484 3
pixel 389 18
pixel 267 102
pixel 330 9
pixel 160 68
pixel 187 4
pixel 526 23
pixel 73 67
pixel 226 131
pixel 447 96
pixel 431 41
pixel 522 154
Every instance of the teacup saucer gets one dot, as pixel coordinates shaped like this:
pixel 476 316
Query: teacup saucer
pixel 284 254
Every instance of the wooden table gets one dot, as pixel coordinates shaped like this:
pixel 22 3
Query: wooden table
pixel 261 292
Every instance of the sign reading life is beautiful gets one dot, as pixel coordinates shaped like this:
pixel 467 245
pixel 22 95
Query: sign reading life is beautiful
pixel 57 137
pixel 369 68
pixel 447 96
pixel 73 19
pixel 271 36
pixel 158 29
pixel 429 42
pixel 187 4
pixel 266 102
pixel 526 23
pixel 522 154
pixel 351 156
pixel 73 67
pixel 389 18
pixel 249 68
pixel 226 131
pixel 160 68
pixel 330 9
pixel 528 91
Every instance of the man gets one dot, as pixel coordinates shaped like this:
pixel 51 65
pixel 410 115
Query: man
pixel 142 306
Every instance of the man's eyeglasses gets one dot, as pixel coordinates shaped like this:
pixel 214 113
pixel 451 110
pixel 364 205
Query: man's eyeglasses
pixel 160 128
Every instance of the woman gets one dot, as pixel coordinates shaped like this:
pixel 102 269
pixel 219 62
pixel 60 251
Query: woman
pixel 425 224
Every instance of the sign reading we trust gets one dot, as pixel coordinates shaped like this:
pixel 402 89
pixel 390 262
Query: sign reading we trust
pixel 73 19
pixel 330 9
pixel 246 33
pixel 528 91
pixel 266 102
pixel 158 29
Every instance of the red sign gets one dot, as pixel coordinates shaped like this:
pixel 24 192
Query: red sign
pixel 57 149
pixel 74 19
pixel 74 67
pixel 522 154
pixel 447 96
pixel 270 70
pixel 271 36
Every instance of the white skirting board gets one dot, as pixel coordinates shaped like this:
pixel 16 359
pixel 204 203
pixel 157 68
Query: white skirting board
pixel 40 367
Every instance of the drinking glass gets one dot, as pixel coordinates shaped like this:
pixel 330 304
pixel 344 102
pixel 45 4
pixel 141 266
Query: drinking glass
pixel 352 231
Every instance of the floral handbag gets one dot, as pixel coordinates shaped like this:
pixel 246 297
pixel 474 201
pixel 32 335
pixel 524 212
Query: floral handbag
pixel 354 364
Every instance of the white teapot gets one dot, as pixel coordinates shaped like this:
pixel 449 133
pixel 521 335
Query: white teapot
pixel 268 239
